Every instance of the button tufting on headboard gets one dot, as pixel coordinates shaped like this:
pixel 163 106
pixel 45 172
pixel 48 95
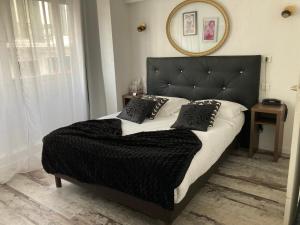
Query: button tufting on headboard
pixel 229 81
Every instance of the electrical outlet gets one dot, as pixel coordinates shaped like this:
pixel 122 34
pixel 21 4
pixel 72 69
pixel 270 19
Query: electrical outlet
pixel 268 59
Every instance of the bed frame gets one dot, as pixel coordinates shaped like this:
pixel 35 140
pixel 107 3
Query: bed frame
pixel 232 78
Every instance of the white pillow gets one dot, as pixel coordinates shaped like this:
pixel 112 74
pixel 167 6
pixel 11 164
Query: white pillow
pixel 172 106
pixel 228 110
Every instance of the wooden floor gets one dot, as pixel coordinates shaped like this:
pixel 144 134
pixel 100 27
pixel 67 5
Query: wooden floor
pixel 243 192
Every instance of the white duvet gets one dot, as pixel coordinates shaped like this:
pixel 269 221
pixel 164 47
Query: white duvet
pixel 214 143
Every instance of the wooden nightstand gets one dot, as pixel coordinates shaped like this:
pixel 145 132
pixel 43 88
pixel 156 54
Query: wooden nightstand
pixel 267 115
pixel 127 97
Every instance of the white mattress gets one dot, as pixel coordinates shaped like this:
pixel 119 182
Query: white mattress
pixel 214 143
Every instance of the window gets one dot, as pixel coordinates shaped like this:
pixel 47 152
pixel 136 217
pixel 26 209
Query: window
pixel 42 37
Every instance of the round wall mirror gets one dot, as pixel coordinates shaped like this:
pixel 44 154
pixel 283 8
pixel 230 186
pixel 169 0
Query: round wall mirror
pixel 198 27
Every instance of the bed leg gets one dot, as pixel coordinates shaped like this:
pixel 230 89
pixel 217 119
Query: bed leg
pixel 58 182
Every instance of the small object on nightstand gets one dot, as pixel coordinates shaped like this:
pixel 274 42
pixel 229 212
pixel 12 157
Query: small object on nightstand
pixel 127 97
pixel 271 101
pixel 267 115
pixel 136 87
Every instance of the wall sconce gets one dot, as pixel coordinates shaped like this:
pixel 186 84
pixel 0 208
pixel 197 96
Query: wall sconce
pixel 288 11
pixel 142 27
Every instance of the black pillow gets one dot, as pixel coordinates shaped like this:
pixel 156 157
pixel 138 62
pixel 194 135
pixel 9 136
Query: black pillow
pixel 159 103
pixel 194 117
pixel 209 102
pixel 137 110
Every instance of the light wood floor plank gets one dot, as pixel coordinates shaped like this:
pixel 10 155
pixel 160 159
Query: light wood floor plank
pixel 279 168
pixel 9 216
pixel 28 210
pixel 233 208
pixel 249 188
pixel 259 176
pixel 261 155
pixel 72 201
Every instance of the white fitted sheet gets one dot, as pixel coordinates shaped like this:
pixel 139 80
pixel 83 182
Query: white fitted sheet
pixel 214 143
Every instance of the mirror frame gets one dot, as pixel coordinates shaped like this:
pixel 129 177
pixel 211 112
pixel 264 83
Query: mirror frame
pixel 211 50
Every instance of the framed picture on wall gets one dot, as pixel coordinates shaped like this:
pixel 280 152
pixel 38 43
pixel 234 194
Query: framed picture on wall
pixel 210 29
pixel 190 23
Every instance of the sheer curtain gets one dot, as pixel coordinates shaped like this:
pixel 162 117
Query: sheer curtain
pixel 42 78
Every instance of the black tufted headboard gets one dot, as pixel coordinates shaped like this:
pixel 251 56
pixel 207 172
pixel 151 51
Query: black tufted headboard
pixel 232 78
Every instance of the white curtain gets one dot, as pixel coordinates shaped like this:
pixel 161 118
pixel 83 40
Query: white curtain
pixel 42 78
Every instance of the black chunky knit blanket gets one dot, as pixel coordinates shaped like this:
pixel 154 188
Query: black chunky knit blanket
pixel 147 165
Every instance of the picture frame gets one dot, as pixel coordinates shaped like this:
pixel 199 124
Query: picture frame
pixel 190 23
pixel 210 29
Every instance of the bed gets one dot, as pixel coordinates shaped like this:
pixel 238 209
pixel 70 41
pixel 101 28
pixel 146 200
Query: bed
pixel 230 78
pixel 225 131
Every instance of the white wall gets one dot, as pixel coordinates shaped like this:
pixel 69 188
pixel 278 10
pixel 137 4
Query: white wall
pixel 256 28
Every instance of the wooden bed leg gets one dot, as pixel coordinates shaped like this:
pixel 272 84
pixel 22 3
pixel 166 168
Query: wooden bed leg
pixel 58 182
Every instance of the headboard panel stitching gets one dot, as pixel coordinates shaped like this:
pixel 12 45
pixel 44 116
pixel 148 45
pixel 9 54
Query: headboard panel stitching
pixel 222 77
